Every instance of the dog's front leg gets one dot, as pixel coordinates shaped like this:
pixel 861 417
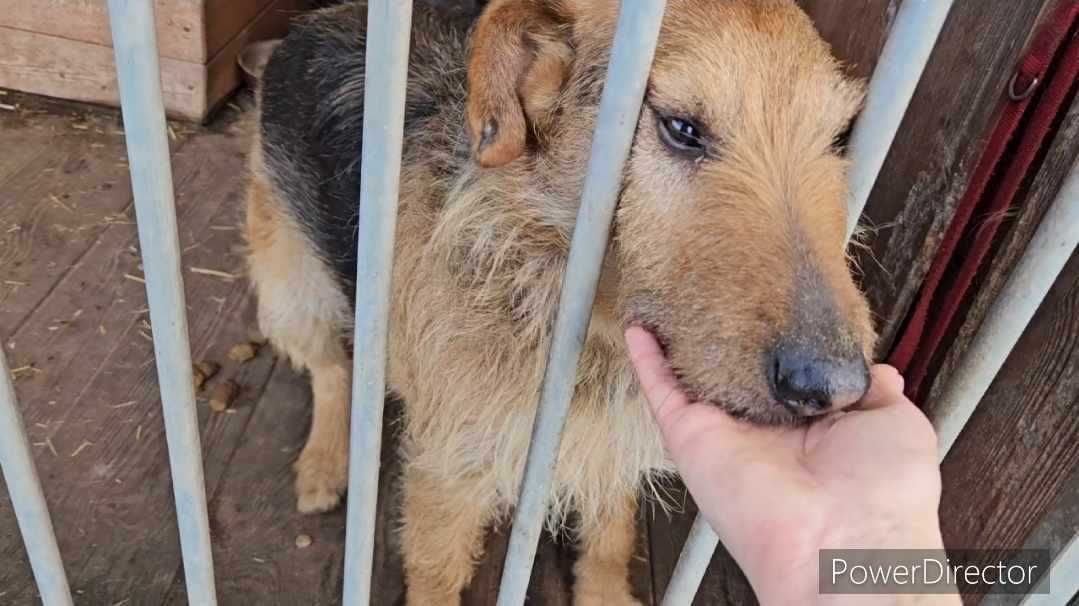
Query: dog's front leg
pixel 607 542
pixel 322 469
pixel 442 536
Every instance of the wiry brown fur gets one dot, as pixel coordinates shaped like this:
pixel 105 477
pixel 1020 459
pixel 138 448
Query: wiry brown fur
pixel 722 256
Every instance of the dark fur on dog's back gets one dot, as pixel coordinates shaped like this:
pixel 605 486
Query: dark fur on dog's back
pixel 312 117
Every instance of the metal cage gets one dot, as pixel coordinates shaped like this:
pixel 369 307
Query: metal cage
pixel 917 26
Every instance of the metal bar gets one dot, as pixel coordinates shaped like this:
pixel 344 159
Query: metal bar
pixel 27 499
pixel 902 61
pixel 138 72
pixel 620 107
pixel 389 27
pixel 1027 285
pixel 692 563
pixel 1060 583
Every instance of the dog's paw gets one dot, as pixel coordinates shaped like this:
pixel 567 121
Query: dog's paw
pixel 321 479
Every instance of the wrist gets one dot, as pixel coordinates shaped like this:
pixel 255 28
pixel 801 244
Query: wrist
pixel 921 533
pixel 787 572
pixel 898 530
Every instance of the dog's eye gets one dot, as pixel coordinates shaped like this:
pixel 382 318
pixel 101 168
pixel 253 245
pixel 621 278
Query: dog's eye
pixel 682 136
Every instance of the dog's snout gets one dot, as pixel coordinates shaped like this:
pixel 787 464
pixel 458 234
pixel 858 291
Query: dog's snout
pixel 809 383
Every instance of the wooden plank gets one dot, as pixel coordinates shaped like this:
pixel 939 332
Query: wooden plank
pixel 188 30
pixel 937 146
pixel 856 30
pixel 723 584
pixel 57 67
pixel 552 574
pixel 1033 400
pixel 640 570
pixel 1061 523
pixel 483 591
pixel 551 583
pixel 81 71
pixel 1022 444
pixel 1020 225
pixel 223 74
pixel 254 517
pixel 95 400
pixel 388 579
pixel 183 26
pixel 225 19
pixel 1059 526
pixel 56 199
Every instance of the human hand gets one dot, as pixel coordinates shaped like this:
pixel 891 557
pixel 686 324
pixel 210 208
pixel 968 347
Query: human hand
pixel 865 478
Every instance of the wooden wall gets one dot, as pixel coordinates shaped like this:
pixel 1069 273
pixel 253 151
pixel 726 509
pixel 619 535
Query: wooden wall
pixel 1018 457
pixel 63 48
pixel 937 147
pixel 1010 471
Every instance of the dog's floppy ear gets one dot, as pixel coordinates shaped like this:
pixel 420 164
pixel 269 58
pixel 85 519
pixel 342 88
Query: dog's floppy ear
pixel 519 59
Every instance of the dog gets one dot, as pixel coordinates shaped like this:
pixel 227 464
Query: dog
pixel 728 244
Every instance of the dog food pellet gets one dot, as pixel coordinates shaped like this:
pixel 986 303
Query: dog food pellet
pixel 303 541
pixel 223 395
pixel 208 368
pixel 255 336
pixel 243 352
pixel 204 371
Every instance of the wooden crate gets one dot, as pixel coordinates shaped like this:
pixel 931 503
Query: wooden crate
pixel 62 48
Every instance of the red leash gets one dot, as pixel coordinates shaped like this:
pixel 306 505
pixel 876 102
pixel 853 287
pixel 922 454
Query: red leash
pixel 1037 93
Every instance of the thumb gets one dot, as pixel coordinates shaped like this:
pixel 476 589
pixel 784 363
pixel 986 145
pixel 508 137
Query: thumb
pixel 693 430
pixel 885 388
pixel 657 380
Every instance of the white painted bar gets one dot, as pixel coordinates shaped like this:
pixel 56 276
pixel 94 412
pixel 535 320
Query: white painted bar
pixel 389 28
pixel 1027 285
pixel 27 498
pixel 902 61
pixel 137 69
pixel 1062 579
pixel 692 563
pixel 620 107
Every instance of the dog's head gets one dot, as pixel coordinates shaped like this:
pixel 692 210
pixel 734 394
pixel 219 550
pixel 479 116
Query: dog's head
pixel 729 238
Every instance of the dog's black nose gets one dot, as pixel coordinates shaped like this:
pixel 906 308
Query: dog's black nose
pixel 809 383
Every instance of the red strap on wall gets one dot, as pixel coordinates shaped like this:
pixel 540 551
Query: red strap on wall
pixel 1042 83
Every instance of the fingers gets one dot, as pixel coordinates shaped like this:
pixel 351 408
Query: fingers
pixel 658 382
pixel 903 419
pixel 701 438
pixel 885 388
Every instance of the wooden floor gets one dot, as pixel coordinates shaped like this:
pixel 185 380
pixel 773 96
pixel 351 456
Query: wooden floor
pixel 74 324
